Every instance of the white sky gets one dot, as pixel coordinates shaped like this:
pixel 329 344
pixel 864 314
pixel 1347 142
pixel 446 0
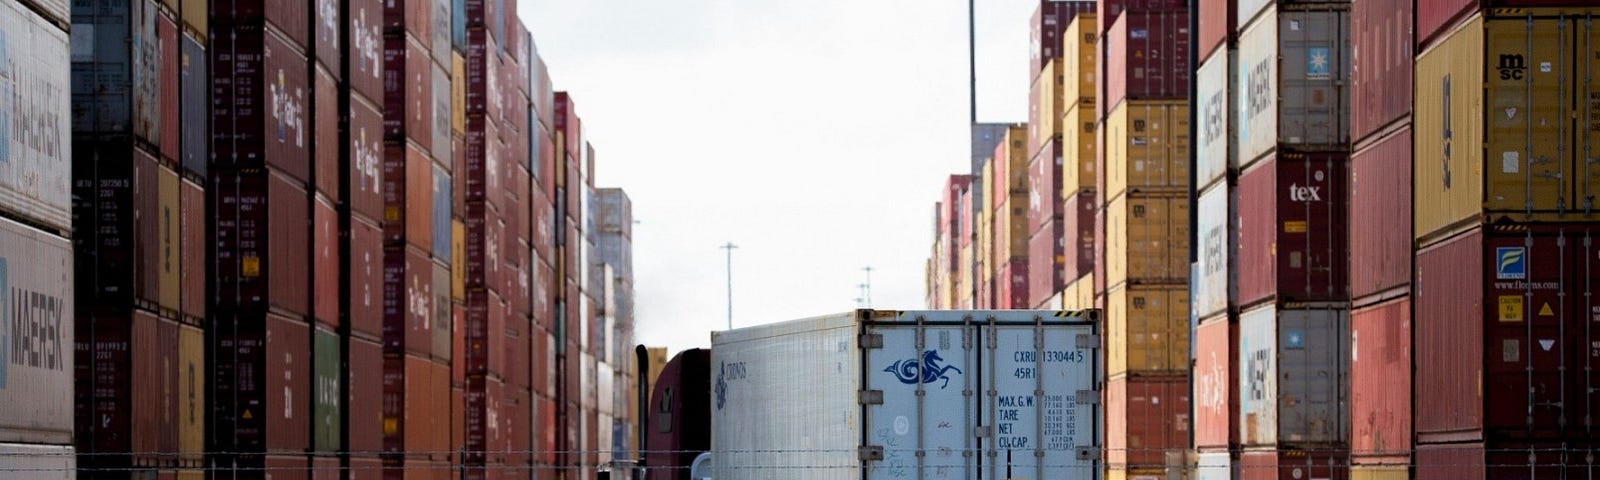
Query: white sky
pixel 815 135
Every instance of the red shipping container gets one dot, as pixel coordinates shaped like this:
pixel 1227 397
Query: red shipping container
pixel 458 345
pixel 1215 395
pixel 288 384
pixel 1044 186
pixel 1380 215
pixel 1147 419
pixel 1494 335
pixel 408 112
pixel 1294 464
pixel 1380 83
pixel 522 276
pixel 1012 284
pixel 1145 56
pixel 288 255
pixel 496 322
pixel 1100 252
pixel 1292 239
pixel 440 398
pixel 152 401
pixel 1078 234
pixel 325 133
pixel 365 467
pixel 422 421
pixel 567 127
pixel 1046 263
pixel 325 263
pixel 1380 380
pixel 167 34
pixel 366 49
pixel 1504 461
pixel 1216 24
pixel 365 421
pixel 418 296
pixel 542 361
pixel 192 203
pixel 282 467
pixel 366 155
pixel 366 278
pixel 1108 11
pixel 327 34
pixel 520 419
pixel 419 200
pixel 157 262
pixel 1049 21
pixel 544 292
pixel 1436 17
pixel 271 128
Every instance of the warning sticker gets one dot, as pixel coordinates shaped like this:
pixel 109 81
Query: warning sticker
pixel 1295 226
pixel 1545 310
pixel 1510 308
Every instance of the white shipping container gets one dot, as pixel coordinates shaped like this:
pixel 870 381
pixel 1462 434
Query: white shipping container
pixel 35 336
pixel 1212 281
pixel 1294 376
pixel 1215 117
pixel 1290 81
pixel 913 394
pixel 35 106
pixel 1214 466
pixel 58 11
pixel 37 462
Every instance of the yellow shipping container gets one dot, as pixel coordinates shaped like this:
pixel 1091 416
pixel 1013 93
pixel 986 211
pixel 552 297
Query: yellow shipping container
pixel 965 276
pixel 1147 329
pixel 1079 294
pixel 458 94
pixel 1011 229
pixel 1147 146
pixel 167 238
pixel 199 474
pixel 1078 78
pixel 1124 473
pixel 1077 153
pixel 192 406
pixel 458 261
pixel 1045 107
pixel 1497 125
pixel 1378 472
pixel 1147 239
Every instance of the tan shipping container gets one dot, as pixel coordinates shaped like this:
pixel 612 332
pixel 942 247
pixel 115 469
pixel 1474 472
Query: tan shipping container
pixel 458 94
pixel 168 241
pixel 1011 228
pixel 965 276
pixel 1044 107
pixel 1497 129
pixel 1147 146
pixel 1079 294
pixel 1147 329
pixel 1378 472
pixel 1147 239
pixel 1078 77
pixel 1078 164
pixel 192 406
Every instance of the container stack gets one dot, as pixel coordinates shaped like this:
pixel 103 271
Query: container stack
pixel 1079 169
pixel 361 221
pixel 1214 320
pixel 1503 218
pixel 543 164
pixel 37 266
pixel 945 277
pixel 1010 219
pixel 614 219
pixel 1140 229
pixel 1046 225
pixel 570 332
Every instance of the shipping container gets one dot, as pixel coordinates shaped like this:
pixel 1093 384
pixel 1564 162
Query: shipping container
pixel 1046 264
pixel 35 136
pixel 1107 12
pixel 1215 281
pixel 1360 471
pixel 1216 25
pixel 1436 17
pixel 1147 147
pixel 193 92
pixel 24 461
pixel 1079 165
pixel 1147 239
pixel 167 83
pixel 1380 215
pixel 326 260
pixel 365 423
pixel 1516 154
pixel 1293 376
pixel 1292 238
pixel 259 88
pixel 365 59
pixel 1045 29
pixel 152 398
pixel 1504 461
pixel 1147 330
pixel 1380 380
pixel 193 294
pixel 1329 463
pixel 1011 284
pixel 327 424
pixel 1078 234
pixel 365 291
pixel 1044 187
pixel 1079 52
pixel 366 152
pixel 1146 57
pixel 1216 466
pixel 1381 59
pixel 1216 422
pixel 156 248
pixel 115 74
pixel 288 259
pixel 1290 81
pixel 191 392
pixel 325 132
pixel 922 359
pixel 36 377
pixel 1045 108
pixel 1147 421
pixel 1214 152
pixel 1502 340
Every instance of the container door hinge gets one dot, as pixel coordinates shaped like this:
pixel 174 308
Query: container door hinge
pixel 870 453
pixel 870 340
pixel 983 431
pixel 871 397
pixel 1088 341
pixel 1088 397
pixel 1085 454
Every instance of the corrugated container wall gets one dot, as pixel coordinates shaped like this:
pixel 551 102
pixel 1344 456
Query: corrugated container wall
pixel 35 108
pixel 1147 330
pixel 1300 354
pixel 1215 371
pixel 1217 24
pixel 1147 421
pixel 1380 381
pixel 1146 57
pixel 1381 64
pixel 1320 463
pixel 1147 147
pixel 1108 11
pixel 37 379
pixel 1291 76
pixel 1214 146
pixel 1215 281
pixel 1380 215
pixel 1147 239
pixel 1079 165
pixel 1045 30
pixel 1079 52
pixel 1292 238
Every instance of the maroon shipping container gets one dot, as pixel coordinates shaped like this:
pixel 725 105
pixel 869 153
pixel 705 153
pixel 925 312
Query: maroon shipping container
pixel 426 422
pixel 1147 418
pixel 328 35
pixel 285 467
pixel 408 111
pixel 152 403
pixel 496 322
pixel 156 255
pixel 568 126
pixel 1380 215
pixel 418 296
pixel 1380 82
pixel 325 263
pixel 1049 22
pixel 366 155
pixel 1108 11
pixel 167 33
pixel 365 466
pixel 1216 25
pixel 544 292
pixel 285 394
pixel 1011 281
pixel 325 468
pixel 1215 396
pixel 1078 234
pixel 419 199
pixel 365 420
pixel 1292 237
pixel 260 95
pixel 543 361
pixel 192 204
pixel 1046 264
pixel 325 133
pixel 1044 186
pixel 366 48
pixel 1504 461
pixel 1294 465
pixel 520 277
pixel 366 278
pixel 1502 312
pixel 1380 380
pixel 288 252
pixel 520 421
pixel 1145 56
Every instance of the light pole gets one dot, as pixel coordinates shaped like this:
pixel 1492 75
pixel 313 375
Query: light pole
pixel 729 246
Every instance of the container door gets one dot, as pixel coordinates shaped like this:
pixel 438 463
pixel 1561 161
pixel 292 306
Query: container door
pixel 1039 403
pixel 924 423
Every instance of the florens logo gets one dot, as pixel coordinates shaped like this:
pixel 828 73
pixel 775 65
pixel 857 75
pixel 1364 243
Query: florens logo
pixel 912 371
pixel 1511 263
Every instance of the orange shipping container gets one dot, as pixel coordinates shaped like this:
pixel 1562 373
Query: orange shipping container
pixel 1078 164
pixel 1496 123
pixel 1147 329
pixel 1078 77
pixel 1147 146
pixel 1147 239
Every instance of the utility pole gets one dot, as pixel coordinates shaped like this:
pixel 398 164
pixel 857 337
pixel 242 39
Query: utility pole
pixel 867 287
pixel 972 61
pixel 729 247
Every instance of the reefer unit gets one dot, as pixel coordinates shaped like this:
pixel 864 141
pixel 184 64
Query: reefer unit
pixel 889 394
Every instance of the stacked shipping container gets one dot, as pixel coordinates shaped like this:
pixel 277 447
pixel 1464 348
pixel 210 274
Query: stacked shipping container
pixel 1047 103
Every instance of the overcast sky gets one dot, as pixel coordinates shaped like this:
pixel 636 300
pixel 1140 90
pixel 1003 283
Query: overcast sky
pixel 814 135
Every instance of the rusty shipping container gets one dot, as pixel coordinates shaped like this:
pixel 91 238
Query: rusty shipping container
pixel 1298 352
pixel 1382 59
pixel 1504 461
pixel 1147 330
pixel 36 276
pixel 324 134
pixel 1147 147
pixel 1290 80
pixel 1292 240
pixel 1497 129
pixel 1216 421
pixel 1321 463
pixel 1215 280
pixel 1502 342
pixel 35 136
pixel 1146 239
pixel 1380 380
pixel 1145 56
pixel 1380 215
pixel 1147 420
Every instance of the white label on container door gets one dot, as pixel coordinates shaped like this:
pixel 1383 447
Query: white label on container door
pixel 1509 162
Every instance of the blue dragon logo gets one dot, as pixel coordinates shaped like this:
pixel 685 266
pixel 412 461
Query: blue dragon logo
pixel 722 385
pixel 911 371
